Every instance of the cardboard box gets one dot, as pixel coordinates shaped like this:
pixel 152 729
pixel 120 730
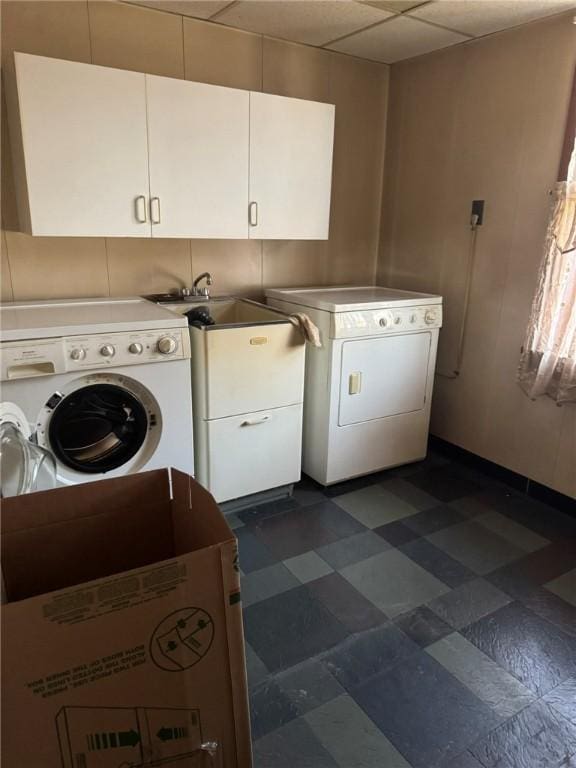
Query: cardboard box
pixel 122 640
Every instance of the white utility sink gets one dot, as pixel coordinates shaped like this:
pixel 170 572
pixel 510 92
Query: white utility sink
pixel 247 394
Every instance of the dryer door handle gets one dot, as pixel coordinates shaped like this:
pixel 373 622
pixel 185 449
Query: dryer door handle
pixel 355 383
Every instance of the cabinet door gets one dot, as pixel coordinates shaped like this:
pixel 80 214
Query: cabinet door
pixel 290 167
pixel 198 146
pixel 84 169
pixel 252 452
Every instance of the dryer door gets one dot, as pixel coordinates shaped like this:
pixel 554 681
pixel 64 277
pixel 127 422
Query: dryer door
pixel 384 376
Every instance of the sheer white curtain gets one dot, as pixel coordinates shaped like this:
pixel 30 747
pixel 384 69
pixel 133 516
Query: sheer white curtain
pixel 548 361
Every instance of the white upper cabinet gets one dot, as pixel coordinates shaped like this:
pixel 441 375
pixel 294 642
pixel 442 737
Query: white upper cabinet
pixel 198 154
pixel 291 143
pixel 85 155
pixel 101 152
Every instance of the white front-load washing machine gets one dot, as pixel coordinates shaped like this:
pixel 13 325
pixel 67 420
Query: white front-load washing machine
pixel 103 384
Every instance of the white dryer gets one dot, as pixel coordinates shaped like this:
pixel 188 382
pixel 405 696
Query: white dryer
pixel 104 384
pixel 368 389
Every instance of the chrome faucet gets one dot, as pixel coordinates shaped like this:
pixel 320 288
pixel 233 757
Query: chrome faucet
pixel 202 291
pixel 195 291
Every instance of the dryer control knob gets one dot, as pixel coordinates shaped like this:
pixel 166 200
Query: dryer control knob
pixel 383 322
pixel 135 348
pixel 107 350
pixel 430 317
pixel 167 345
pixel 78 353
pixel 413 318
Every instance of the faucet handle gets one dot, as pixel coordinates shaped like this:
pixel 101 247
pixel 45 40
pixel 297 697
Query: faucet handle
pixel 184 292
pixel 205 292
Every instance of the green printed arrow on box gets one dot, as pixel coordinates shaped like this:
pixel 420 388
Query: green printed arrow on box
pixel 97 741
pixel 128 738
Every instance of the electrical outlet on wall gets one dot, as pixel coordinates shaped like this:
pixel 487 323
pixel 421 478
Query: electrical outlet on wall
pixel 477 212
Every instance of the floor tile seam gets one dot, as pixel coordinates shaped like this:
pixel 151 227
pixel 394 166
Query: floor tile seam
pixel 271 597
pixel 265 568
pixel 339 647
pixel 510 672
pixel 257 519
pixel 450 587
pixel 461 629
pixel 382 672
pixel 405 501
pixel 376 726
pixel 503 718
pixel 277 677
pixel 485 736
pixel 561 715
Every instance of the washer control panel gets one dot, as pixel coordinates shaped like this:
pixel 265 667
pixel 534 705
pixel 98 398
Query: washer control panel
pixel 45 357
pixel 374 322
pixel 115 349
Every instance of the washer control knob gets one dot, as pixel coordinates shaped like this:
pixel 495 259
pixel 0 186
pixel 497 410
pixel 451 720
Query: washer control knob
pixel 383 322
pixel 413 318
pixel 430 317
pixel 397 320
pixel 135 348
pixel 107 350
pixel 78 353
pixel 167 345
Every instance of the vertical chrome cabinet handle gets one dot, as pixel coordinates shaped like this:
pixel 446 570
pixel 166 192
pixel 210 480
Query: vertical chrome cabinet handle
pixel 155 210
pixel 253 214
pixel 140 205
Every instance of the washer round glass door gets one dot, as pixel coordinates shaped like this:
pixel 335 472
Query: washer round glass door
pixel 100 424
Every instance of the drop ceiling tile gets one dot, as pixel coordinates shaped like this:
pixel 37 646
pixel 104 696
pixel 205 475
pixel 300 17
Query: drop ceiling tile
pixel 398 6
pixel 198 9
pixel 315 22
pixel 481 17
pixel 397 39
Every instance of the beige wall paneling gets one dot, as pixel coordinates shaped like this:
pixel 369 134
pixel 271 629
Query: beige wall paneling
pixel 422 251
pixel 295 262
pixel 504 148
pixel 6 293
pixel 523 434
pixel 235 265
pixel 493 109
pixel 296 70
pixel 57 267
pixel 222 56
pixel 140 39
pixel 392 159
pixel 140 266
pixel 359 91
pixel 53 28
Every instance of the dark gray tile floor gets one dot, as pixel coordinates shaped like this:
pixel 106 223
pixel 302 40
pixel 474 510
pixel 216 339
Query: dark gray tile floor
pixel 423 617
